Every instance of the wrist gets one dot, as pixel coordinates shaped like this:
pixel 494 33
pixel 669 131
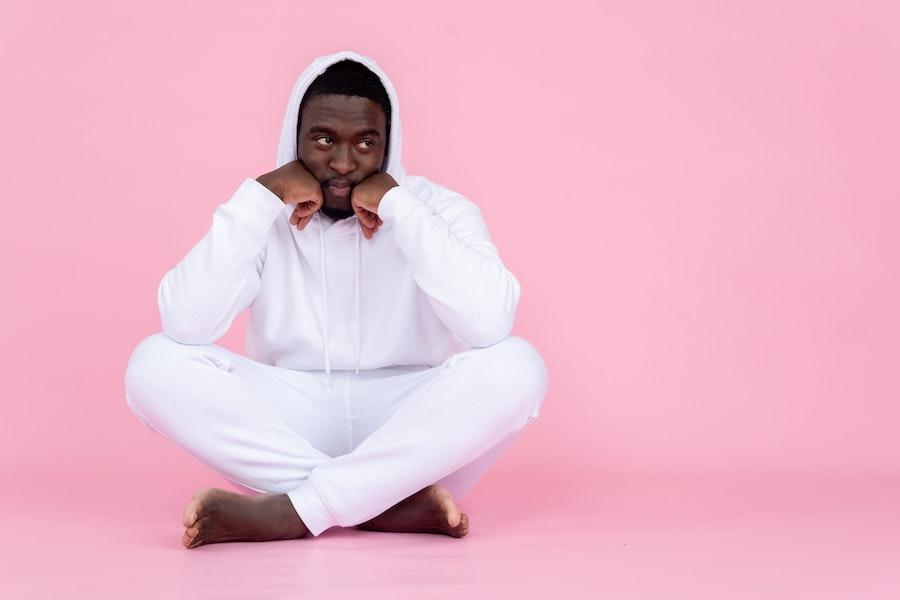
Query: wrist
pixel 273 183
pixel 397 204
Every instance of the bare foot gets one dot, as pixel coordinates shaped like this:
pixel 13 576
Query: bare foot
pixel 430 510
pixel 215 515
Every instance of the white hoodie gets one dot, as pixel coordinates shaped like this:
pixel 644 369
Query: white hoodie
pixel 428 284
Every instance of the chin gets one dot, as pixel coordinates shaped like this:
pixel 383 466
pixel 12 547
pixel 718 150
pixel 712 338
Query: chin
pixel 337 213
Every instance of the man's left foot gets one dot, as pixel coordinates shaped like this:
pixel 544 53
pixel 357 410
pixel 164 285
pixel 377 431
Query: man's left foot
pixel 430 510
pixel 215 515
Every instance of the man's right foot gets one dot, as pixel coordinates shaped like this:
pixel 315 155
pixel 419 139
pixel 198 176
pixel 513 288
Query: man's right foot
pixel 215 515
pixel 430 510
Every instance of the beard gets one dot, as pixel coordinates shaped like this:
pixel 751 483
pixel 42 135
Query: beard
pixel 337 213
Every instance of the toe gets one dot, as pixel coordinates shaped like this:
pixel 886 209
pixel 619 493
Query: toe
pixel 195 536
pixel 454 517
pixel 199 505
pixel 193 509
pixel 186 539
pixel 191 536
pixel 463 528
pixel 192 513
pixel 447 506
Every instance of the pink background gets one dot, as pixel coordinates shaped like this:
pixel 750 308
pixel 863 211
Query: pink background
pixel 699 198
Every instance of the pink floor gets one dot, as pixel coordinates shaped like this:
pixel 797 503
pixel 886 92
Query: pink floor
pixel 116 535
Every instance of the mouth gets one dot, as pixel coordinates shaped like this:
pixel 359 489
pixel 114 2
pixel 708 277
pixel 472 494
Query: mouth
pixel 340 189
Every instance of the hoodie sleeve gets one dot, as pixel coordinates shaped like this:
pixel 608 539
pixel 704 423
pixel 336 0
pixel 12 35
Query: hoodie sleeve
pixel 220 276
pixel 454 263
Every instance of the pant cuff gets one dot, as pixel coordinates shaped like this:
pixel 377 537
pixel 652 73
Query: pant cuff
pixel 312 508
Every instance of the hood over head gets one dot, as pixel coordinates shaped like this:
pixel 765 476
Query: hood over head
pixel 287 152
pixel 287 144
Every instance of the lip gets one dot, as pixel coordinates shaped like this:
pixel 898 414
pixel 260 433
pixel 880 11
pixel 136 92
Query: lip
pixel 340 189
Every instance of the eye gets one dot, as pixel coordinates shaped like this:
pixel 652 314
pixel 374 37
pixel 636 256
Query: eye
pixel 362 145
pixel 328 140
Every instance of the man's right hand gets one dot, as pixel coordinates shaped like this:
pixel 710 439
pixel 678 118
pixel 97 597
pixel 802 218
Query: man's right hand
pixel 294 184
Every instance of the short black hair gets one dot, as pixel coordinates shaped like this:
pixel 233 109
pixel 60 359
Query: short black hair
pixel 350 78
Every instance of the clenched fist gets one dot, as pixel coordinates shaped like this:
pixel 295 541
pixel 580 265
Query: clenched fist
pixel 294 184
pixel 366 198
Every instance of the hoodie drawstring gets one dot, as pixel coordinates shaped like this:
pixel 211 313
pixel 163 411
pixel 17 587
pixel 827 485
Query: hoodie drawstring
pixel 358 285
pixel 324 303
pixel 323 269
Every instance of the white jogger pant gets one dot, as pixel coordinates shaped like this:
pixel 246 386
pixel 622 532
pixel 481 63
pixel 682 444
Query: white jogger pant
pixel 346 453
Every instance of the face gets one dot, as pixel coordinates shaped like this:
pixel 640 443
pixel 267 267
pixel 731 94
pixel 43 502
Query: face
pixel 341 141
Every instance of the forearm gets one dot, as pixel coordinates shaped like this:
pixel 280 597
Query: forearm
pixel 455 264
pixel 219 277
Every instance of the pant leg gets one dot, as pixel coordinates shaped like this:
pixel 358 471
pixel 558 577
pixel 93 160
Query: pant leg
pixel 468 410
pixel 239 417
pixel 377 394
pixel 460 482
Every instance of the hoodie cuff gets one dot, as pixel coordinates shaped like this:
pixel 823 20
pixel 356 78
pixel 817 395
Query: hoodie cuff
pixel 397 204
pixel 256 204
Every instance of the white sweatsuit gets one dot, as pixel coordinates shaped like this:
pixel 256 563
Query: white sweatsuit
pixel 373 368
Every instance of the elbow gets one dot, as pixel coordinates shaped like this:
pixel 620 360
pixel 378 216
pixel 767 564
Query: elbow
pixel 185 331
pixel 179 322
pixel 487 334
pixel 493 322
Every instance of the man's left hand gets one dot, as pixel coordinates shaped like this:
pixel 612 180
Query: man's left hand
pixel 366 197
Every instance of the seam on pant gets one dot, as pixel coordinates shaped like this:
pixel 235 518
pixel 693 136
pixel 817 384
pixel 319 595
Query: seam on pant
pixel 139 415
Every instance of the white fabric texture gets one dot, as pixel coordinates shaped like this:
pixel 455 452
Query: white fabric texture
pixel 429 283
pixel 373 367
pixel 345 453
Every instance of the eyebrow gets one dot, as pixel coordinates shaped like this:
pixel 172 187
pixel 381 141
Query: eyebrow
pixel 324 129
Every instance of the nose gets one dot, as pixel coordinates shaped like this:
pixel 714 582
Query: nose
pixel 342 161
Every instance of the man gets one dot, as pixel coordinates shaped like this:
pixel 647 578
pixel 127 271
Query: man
pixel 381 380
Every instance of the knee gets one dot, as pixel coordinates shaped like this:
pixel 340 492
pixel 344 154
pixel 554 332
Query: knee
pixel 519 364
pixel 151 363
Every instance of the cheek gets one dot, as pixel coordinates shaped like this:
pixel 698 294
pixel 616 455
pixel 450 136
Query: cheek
pixel 371 163
pixel 313 161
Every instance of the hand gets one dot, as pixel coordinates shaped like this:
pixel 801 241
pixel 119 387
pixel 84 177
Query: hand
pixel 294 184
pixel 365 199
